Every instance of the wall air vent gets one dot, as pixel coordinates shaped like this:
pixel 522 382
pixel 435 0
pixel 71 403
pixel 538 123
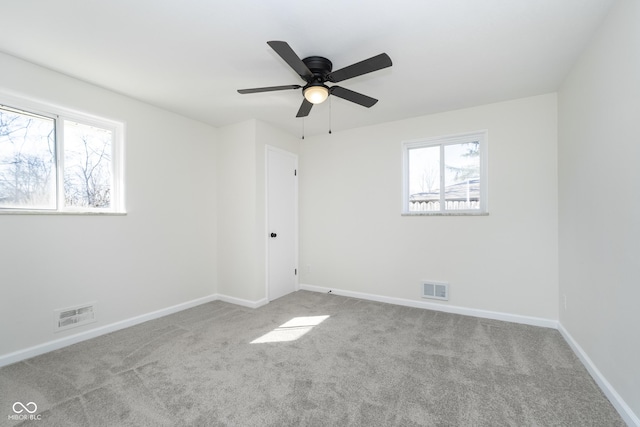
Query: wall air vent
pixel 435 290
pixel 71 317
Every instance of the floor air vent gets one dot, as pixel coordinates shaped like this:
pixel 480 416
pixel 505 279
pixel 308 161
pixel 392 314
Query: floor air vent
pixel 74 316
pixel 435 290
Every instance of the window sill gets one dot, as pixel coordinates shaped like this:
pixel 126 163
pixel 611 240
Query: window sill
pixel 444 214
pixel 27 212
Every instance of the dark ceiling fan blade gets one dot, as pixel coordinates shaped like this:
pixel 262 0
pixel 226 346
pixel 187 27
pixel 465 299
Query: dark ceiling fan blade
pixel 290 57
pixel 349 95
pixel 370 65
pixel 305 108
pixel 268 89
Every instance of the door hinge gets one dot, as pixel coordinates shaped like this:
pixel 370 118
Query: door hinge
pixel 295 271
pixel 295 172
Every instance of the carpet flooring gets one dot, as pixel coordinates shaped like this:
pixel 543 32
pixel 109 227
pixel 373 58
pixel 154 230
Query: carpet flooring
pixel 311 359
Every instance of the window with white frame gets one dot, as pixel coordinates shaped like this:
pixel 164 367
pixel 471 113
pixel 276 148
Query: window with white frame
pixel 445 175
pixel 57 161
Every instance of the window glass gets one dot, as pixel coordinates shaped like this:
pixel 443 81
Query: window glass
pixel 87 165
pixel 462 176
pixel 27 160
pixel 424 178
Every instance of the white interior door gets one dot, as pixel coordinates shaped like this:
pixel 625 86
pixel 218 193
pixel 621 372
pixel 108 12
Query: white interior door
pixel 282 222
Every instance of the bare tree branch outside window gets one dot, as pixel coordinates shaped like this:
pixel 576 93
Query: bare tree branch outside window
pixel 87 166
pixel 467 164
pixel 27 160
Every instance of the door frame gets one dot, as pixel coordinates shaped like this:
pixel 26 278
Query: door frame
pixel 272 148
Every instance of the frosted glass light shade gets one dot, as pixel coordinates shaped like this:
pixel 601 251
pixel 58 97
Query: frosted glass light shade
pixel 316 94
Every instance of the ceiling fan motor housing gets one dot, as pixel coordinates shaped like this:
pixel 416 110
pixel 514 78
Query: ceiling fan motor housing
pixel 320 67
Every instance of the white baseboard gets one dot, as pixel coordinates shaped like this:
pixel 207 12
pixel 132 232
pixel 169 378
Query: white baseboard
pixel 616 400
pixel 243 302
pixel 495 315
pixel 17 356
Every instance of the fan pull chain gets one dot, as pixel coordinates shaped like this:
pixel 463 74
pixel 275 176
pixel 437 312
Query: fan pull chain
pixel 302 128
pixel 329 115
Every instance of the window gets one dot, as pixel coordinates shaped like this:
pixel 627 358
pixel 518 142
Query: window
pixel 445 175
pixel 59 162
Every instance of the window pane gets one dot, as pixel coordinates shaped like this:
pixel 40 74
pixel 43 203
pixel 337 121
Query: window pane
pixel 87 165
pixel 462 176
pixel 424 179
pixel 27 160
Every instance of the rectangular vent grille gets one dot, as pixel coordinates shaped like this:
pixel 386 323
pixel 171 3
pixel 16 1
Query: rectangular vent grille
pixel 74 316
pixel 435 290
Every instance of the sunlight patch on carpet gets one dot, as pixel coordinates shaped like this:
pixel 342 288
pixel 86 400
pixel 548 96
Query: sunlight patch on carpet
pixel 291 330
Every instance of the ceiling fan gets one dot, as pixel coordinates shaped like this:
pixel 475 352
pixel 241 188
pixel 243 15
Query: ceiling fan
pixel 316 71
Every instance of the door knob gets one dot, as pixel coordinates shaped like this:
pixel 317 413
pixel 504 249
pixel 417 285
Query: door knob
pixel 273 235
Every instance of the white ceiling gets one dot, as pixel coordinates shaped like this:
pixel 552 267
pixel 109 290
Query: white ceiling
pixel 190 56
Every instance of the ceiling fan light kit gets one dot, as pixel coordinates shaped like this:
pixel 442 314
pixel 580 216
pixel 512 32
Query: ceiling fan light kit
pixel 316 94
pixel 316 71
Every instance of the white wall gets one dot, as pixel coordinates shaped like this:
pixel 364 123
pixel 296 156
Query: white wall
pixel 353 237
pixel 162 253
pixel 599 209
pixel 241 207
pixel 236 166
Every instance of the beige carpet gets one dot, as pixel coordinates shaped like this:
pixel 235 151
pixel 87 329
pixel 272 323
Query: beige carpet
pixel 311 359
